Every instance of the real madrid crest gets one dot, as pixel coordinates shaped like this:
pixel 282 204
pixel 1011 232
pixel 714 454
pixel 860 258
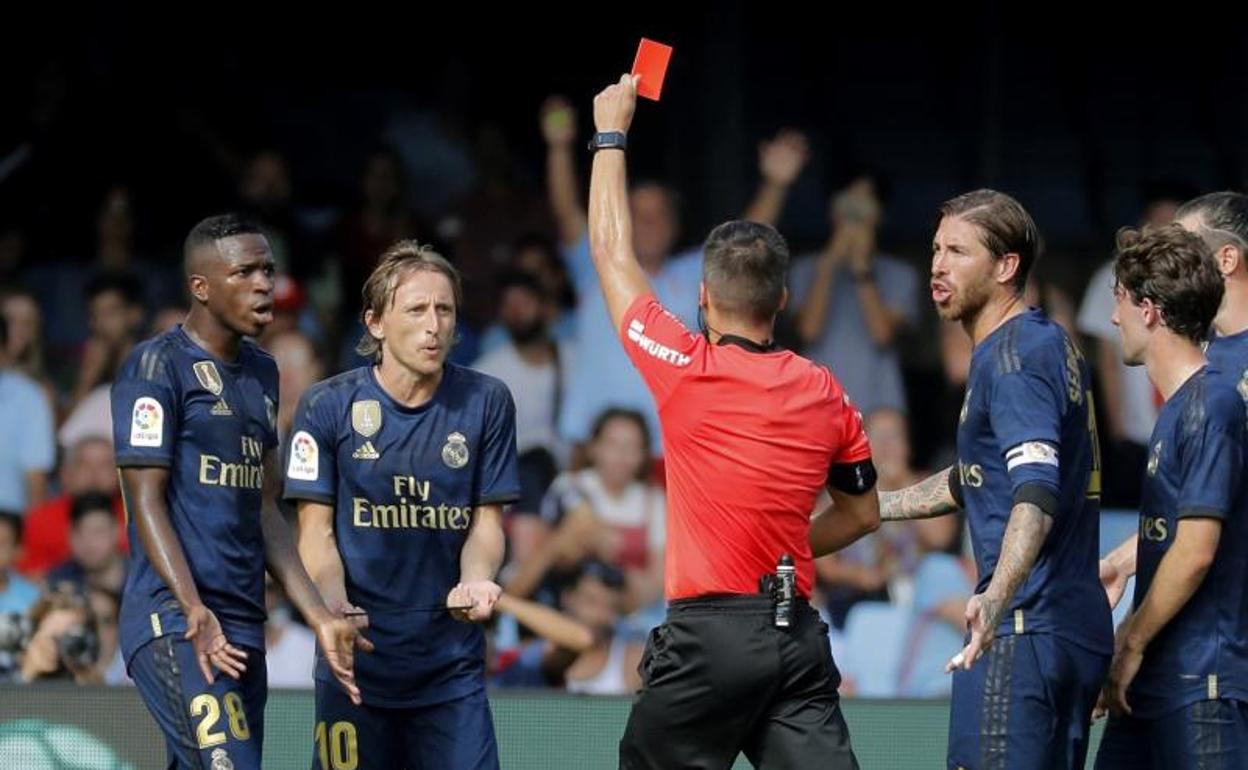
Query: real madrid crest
pixel 366 417
pixel 966 406
pixel 1154 459
pixel 270 412
pixel 1242 387
pixel 455 451
pixel 206 373
pixel 221 760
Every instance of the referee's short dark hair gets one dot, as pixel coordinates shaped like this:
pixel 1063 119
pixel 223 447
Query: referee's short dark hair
pixel 744 266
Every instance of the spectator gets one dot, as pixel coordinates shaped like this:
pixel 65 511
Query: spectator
pixel 28 453
pixel 106 606
pixel 25 348
pixel 595 598
pixel 539 661
pixel 116 259
pixel 265 194
pixel 16 593
pixel 607 511
pixel 532 365
pixel 115 311
pixel 380 219
pixel 289 303
pixel 166 318
pixel 290 646
pixel 65 643
pixel 536 255
pixel 96 561
pixel 88 467
pixel 853 301
pixel 298 367
pixel 904 543
pixel 603 376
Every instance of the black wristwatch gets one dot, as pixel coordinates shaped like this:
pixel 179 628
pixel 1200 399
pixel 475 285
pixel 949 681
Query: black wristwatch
pixel 608 140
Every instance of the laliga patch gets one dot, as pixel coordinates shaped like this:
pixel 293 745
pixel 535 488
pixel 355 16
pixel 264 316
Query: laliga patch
pixel 304 465
pixel 148 424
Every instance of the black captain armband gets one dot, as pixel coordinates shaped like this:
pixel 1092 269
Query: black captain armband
pixel 1038 495
pixel 852 478
pixel 955 485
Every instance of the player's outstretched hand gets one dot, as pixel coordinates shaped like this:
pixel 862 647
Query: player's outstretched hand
pixel 212 649
pixel 982 634
pixel 339 638
pixel 473 602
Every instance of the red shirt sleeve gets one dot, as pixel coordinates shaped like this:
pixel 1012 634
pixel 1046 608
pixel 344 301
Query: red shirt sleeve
pixel 853 446
pixel 659 345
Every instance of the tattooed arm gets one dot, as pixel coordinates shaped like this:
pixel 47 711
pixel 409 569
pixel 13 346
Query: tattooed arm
pixel 1024 536
pixel 934 496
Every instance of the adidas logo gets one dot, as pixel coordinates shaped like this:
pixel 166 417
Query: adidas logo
pixel 222 409
pixel 366 452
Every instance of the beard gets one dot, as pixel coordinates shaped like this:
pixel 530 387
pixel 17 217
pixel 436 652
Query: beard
pixel 527 334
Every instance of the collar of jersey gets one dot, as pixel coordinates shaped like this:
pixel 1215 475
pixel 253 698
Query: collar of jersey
pixel 200 351
pixel 731 339
pixel 371 373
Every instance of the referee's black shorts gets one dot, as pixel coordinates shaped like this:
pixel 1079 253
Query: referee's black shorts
pixel 718 679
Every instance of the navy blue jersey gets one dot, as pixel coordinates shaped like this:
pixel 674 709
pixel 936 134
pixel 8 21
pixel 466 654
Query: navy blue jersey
pixel 404 482
pixel 1195 469
pixel 1028 420
pixel 210 423
pixel 1229 355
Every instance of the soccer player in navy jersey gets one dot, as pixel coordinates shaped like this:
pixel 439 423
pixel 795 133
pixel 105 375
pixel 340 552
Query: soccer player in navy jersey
pixel 400 470
pixel 1028 477
pixel 193 426
pixel 1178 686
pixel 1221 221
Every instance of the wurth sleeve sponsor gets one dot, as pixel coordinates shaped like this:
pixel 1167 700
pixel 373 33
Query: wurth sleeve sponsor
pixel 659 345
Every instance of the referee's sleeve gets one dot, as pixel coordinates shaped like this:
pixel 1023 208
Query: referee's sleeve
pixel 853 446
pixel 851 469
pixel 659 345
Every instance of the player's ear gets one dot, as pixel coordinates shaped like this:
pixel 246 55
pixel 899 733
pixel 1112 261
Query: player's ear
pixel 373 322
pixel 1229 257
pixel 1007 267
pixel 702 302
pixel 784 300
pixel 198 285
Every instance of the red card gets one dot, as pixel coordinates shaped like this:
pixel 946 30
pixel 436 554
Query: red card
pixel 651 65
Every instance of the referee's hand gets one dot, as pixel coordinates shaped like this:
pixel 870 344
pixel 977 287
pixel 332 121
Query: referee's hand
pixel 614 105
pixel 473 602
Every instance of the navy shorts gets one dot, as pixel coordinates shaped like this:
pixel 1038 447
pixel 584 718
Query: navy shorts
pixel 1209 735
pixel 206 726
pixel 456 735
pixel 1026 704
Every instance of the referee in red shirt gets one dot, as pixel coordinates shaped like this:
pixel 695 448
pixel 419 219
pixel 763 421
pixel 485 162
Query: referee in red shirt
pixel 752 433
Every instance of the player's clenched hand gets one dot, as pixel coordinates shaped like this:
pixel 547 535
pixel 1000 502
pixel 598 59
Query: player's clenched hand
pixel 211 647
pixel 473 602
